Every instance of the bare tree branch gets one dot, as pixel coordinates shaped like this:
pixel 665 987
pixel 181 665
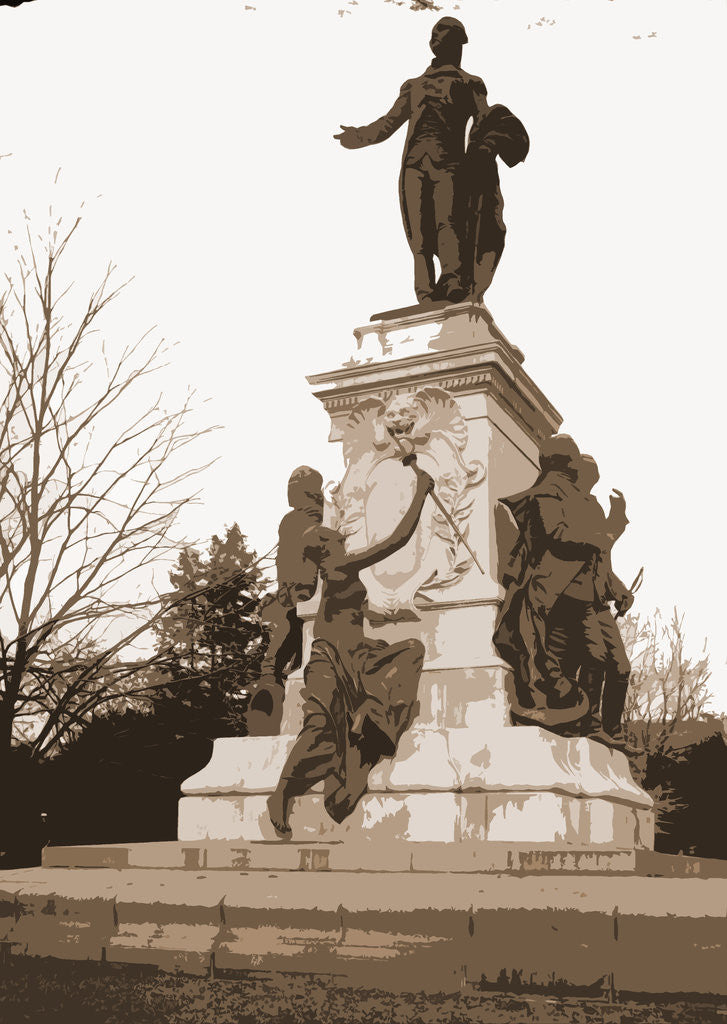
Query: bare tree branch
pixel 92 483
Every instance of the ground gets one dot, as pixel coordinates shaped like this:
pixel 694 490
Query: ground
pixel 92 994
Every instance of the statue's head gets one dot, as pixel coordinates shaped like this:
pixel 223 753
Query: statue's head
pixel 447 35
pixel 305 488
pixel 558 454
pixel 587 473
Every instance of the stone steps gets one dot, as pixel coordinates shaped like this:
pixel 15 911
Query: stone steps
pixel 498 858
pixel 338 856
pixel 403 931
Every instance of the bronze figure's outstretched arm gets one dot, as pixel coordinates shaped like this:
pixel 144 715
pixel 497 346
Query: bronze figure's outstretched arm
pixel 379 130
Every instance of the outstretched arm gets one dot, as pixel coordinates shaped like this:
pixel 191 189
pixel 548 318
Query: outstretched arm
pixel 377 131
pixel 404 531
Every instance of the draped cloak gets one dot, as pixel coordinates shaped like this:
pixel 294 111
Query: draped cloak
pixel 499 134
pixel 356 706
pixel 557 542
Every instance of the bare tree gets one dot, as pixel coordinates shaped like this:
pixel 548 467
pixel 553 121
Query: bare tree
pixel 91 483
pixel 668 688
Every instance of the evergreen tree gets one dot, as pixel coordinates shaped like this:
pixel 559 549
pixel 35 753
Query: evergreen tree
pixel 211 639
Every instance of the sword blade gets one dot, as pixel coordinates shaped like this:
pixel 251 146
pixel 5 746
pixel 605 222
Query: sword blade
pixel 438 502
pixel 638 580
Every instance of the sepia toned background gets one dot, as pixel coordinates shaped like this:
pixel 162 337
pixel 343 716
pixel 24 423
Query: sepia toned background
pixel 200 141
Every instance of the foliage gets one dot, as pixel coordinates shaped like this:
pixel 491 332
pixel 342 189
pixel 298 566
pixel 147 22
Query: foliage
pixel 210 638
pixel 128 767
pixel 90 489
pixel 684 763
pixel 128 760
pixel 668 689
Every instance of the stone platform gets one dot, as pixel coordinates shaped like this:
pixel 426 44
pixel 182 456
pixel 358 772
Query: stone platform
pixel 400 931
pixel 287 855
pixel 526 786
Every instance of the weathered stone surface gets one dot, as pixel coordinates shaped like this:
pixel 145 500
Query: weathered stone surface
pixel 535 818
pixel 68 916
pixel 546 817
pixel 164 922
pixel 253 762
pixel 469 853
pixel 407 930
pixel 422 763
pixel 530 758
pixel 430 758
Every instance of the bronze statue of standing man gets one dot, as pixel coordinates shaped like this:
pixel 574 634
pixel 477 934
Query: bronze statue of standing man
pixel 450 195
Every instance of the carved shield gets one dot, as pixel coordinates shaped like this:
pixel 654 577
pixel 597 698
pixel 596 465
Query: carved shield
pixel 378 489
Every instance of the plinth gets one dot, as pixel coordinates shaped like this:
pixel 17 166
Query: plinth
pixel 464 778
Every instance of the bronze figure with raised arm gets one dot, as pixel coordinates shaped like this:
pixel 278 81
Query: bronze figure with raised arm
pixel 555 627
pixel 359 694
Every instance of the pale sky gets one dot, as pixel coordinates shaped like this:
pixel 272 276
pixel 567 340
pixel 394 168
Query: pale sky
pixel 199 137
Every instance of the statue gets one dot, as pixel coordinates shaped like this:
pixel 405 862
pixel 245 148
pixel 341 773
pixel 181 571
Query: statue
pixel 450 196
pixel 360 694
pixel 605 668
pixel 297 579
pixel 555 627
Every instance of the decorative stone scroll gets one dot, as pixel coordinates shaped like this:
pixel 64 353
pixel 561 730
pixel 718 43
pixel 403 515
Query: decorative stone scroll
pixel 377 489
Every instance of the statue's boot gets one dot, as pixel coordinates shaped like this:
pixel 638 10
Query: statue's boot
pixel 564 703
pixel 613 701
pixel 616 740
pixel 279 805
pixel 612 733
pixel 424 278
pixel 590 679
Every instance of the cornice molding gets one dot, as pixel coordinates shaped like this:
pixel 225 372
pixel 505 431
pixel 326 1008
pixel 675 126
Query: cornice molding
pixel 488 378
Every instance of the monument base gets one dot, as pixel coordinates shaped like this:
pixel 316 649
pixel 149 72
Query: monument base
pixel 410 819
pixel 433 857
pixel 447 376
pixel 524 786
pixel 402 931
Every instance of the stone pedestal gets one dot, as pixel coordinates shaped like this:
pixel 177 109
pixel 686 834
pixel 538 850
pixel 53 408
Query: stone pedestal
pixel 463 774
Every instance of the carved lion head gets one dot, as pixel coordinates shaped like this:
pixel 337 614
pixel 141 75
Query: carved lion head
pixel 401 413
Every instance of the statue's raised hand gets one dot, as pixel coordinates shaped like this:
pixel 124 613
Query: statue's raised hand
pixel 349 137
pixel 618 506
pixel 425 480
pixel 617 519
